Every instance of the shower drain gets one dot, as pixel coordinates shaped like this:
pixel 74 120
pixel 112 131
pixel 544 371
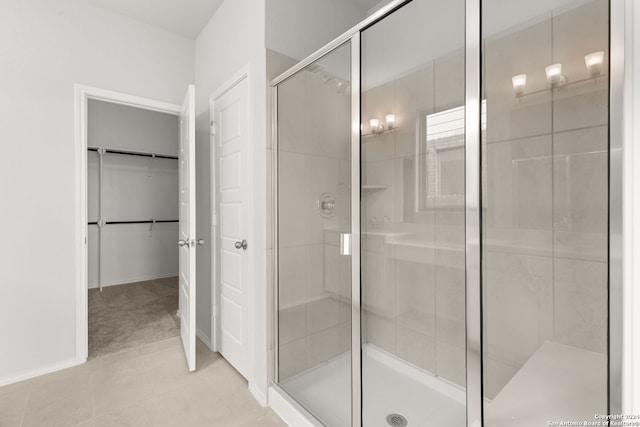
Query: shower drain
pixel 397 420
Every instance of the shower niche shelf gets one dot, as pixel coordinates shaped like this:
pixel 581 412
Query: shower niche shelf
pixel 374 187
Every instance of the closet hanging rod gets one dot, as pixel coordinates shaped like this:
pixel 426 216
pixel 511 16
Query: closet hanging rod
pixel 150 221
pixel 135 153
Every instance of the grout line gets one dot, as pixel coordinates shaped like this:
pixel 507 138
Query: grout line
pixel 538 135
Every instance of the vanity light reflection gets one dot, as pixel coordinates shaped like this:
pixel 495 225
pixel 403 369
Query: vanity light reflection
pixel 378 128
pixel 593 62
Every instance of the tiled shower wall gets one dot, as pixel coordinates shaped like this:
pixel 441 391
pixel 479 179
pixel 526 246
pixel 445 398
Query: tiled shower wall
pixel 546 192
pixel 413 256
pixel 545 210
pixel 545 206
pixel 313 158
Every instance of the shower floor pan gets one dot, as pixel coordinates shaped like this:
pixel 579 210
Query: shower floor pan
pixel 558 383
pixel 390 386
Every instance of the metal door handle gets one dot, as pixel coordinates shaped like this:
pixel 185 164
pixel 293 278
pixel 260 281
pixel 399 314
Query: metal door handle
pixel 200 242
pixel 345 243
pixel 183 243
pixel 242 245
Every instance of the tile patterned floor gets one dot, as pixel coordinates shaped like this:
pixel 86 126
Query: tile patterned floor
pixel 144 387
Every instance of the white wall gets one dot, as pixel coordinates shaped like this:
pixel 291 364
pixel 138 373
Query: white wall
pixel 134 188
pixel 297 28
pixel 46 46
pixel 233 39
pixel 124 127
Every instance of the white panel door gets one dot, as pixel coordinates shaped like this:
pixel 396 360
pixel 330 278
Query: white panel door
pixel 230 116
pixel 187 298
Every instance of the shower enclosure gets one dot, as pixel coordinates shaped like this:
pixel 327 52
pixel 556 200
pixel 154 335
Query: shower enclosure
pixel 442 218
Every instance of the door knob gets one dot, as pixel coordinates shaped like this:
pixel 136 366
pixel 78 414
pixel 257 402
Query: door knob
pixel 182 243
pixel 242 245
pixel 200 242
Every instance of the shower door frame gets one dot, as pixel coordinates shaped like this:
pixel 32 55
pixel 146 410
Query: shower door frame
pixel 473 205
pixel 352 36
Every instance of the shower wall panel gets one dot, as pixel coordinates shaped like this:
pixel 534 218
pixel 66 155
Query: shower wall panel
pixel 414 297
pixel 545 207
pixel 313 145
pixel 314 208
pixel 544 248
pixel 412 207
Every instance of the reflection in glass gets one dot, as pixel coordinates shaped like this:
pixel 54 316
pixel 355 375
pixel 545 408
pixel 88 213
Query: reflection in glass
pixel 314 207
pixel 412 216
pixel 545 217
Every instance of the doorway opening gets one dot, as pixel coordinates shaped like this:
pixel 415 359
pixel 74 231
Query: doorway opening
pixel 135 222
pixel 132 207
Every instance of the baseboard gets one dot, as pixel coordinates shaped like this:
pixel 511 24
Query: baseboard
pixel 258 394
pixel 134 280
pixel 205 339
pixel 42 371
pixel 289 410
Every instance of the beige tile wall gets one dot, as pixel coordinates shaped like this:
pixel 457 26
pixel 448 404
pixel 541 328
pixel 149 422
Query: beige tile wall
pixel 313 277
pixel 545 207
pixel 412 289
pixel 546 214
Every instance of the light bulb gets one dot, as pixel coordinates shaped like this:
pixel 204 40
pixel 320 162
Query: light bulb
pixel 374 123
pixel 554 74
pixel 391 119
pixel 594 61
pixel 519 82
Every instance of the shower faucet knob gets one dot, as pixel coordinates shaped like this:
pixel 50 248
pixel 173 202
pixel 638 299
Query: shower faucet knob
pixel 328 205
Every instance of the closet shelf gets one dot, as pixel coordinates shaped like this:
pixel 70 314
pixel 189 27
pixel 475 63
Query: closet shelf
pixel 134 153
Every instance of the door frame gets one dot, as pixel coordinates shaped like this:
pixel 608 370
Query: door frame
pixel 82 95
pixel 242 74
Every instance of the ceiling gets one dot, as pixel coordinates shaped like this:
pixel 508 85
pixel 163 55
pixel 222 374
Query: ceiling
pixel 184 17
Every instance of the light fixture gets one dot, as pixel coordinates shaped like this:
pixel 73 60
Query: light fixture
pixel 391 120
pixel 554 75
pixel 519 82
pixel 375 125
pixel 594 61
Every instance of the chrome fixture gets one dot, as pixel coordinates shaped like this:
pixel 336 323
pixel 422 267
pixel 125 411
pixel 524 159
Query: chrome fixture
pixel 326 205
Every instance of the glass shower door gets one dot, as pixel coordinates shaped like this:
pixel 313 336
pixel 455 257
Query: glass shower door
pixel 314 211
pixel 412 217
pixel 545 287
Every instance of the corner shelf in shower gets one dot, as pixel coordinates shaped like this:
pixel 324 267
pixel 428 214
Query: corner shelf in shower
pixel 374 187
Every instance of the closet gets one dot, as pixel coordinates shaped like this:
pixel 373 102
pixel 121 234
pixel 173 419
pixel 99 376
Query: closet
pixel 132 211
